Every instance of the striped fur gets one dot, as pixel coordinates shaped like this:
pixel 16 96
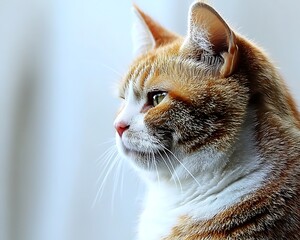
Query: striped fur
pixel 221 152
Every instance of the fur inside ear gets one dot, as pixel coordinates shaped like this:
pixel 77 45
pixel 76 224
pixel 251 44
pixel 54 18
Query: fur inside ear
pixel 210 39
pixel 148 34
pixel 142 38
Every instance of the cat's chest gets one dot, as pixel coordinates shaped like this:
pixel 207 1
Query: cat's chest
pixel 165 209
pixel 160 215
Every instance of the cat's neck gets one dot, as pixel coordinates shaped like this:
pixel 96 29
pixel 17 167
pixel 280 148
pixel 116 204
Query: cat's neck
pixel 205 189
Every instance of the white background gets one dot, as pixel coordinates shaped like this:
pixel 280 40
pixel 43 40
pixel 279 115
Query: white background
pixel 60 61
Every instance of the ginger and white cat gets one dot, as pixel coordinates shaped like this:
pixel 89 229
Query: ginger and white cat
pixel 209 124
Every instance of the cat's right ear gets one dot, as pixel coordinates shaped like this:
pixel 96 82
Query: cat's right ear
pixel 148 34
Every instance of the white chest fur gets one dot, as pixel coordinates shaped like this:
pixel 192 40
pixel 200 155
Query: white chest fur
pixel 159 216
pixel 200 197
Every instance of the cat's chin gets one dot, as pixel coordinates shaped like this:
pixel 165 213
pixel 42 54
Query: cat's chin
pixel 148 160
pixel 134 153
pixel 131 153
pixel 138 156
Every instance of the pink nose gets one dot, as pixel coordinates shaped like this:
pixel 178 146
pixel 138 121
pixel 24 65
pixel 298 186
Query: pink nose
pixel 121 127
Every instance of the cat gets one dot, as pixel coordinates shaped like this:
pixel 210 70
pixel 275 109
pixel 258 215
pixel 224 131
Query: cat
pixel 210 126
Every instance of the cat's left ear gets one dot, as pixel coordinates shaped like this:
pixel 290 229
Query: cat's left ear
pixel 210 39
pixel 148 34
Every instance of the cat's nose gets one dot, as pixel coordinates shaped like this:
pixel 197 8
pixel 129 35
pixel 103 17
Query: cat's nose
pixel 121 127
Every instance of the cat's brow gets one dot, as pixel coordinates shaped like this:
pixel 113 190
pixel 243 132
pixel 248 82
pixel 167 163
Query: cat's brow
pixel 142 74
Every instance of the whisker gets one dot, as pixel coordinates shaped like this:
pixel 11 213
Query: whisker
pixel 111 160
pixel 148 160
pixel 100 190
pixel 156 169
pixel 182 165
pixel 167 167
pixel 116 181
pixel 122 179
pixel 111 69
pixel 174 171
pixel 105 155
pixel 112 140
pixel 107 161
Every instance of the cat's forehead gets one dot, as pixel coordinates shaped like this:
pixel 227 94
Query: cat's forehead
pixel 140 72
pixel 164 73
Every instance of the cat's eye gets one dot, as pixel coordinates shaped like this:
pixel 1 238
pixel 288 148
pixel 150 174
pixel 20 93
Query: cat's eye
pixel 154 98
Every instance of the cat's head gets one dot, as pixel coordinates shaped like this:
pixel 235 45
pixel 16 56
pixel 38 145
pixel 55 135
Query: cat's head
pixel 181 96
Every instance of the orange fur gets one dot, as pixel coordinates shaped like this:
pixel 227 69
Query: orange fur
pixel 272 212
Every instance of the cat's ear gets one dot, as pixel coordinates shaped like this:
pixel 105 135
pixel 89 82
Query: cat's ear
pixel 147 34
pixel 211 38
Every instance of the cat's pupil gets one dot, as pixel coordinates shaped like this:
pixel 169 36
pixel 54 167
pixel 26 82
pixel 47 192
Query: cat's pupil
pixel 157 98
